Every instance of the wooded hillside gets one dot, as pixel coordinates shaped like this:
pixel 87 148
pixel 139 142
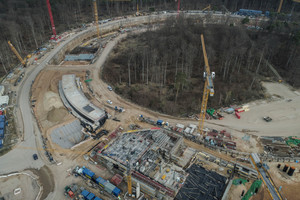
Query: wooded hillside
pixel 163 69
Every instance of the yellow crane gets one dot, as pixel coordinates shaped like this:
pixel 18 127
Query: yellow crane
pixel 129 181
pixel 23 61
pixel 280 6
pixel 207 8
pixel 208 87
pixel 96 18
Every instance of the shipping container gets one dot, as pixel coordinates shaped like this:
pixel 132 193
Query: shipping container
pixel 108 187
pixel 237 115
pixel 1 144
pixel 88 173
pixel 85 193
pixel 2 125
pixel 116 192
pixel 1 133
pixel 100 181
pixel 116 179
pixel 91 196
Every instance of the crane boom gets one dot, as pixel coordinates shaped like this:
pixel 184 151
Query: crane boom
pixel 51 18
pixel 280 6
pixel 208 87
pixel 96 18
pixel 16 53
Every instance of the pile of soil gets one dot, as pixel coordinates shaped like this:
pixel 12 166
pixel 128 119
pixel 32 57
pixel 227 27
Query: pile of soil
pixel 51 100
pixel 56 114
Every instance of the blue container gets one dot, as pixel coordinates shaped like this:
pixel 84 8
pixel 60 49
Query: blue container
pixel 2 118
pixel 116 192
pixel 90 196
pixel 85 193
pixel 2 125
pixel 100 181
pixel 88 173
pixel 1 134
pixel 97 198
pixel 267 13
pixel 1 144
pixel 159 122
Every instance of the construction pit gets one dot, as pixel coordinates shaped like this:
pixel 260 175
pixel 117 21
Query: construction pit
pixel 18 186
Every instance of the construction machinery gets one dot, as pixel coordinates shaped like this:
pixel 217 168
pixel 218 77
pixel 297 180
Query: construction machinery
pixel 207 8
pixel 208 87
pixel 178 8
pixel 23 61
pixel 129 181
pixel 265 177
pixel 96 18
pixel 280 6
pixel 52 21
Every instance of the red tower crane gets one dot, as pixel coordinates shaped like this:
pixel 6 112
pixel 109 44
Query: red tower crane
pixel 178 8
pixel 51 19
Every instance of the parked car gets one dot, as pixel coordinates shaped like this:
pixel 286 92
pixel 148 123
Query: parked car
pixel 35 157
pixel 267 119
pixel 109 101
pixel 109 88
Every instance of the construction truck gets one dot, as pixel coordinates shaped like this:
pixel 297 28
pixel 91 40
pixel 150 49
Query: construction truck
pixel 69 192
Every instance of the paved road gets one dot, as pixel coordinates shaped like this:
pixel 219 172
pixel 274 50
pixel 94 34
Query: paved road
pixel 21 158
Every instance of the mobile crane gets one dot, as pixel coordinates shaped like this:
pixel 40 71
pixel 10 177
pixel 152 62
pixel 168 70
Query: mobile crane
pixel 208 87
pixel 23 61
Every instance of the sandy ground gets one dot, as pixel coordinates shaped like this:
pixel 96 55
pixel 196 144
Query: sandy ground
pixel 285 115
pixel 290 184
pixel 26 183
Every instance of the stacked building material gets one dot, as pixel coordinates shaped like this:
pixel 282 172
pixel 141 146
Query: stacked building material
pixel 202 184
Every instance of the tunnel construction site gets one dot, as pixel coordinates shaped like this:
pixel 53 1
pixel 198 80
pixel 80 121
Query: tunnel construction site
pixel 164 160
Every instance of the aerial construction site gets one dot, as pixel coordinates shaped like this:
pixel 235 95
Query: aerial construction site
pixel 181 100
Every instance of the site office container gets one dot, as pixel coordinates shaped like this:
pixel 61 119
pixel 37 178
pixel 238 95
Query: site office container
pixel 85 193
pixel 116 192
pixel 88 173
pixel 2 125
pixel 1 133
pixel 108 187
pixel 91 196
pixel 100 181
pixel 97 198
pixel 1 144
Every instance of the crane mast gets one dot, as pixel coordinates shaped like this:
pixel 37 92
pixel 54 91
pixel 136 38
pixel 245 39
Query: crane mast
pixel 129 181
pixel 96 18
pixel 51 19
pixel 208 87
pixel 23 61
pixel 280 6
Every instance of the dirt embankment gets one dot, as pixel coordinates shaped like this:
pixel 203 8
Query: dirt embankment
pixel 46 179
pixel 49 108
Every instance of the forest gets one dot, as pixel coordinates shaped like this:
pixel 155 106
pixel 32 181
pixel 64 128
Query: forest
pixel 163 69
pixel 26 22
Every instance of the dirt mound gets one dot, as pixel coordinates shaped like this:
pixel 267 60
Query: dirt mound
pixel 56 114
pixel 46 179
pixel 51 100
